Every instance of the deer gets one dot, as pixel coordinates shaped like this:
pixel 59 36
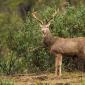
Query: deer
pixel 59 46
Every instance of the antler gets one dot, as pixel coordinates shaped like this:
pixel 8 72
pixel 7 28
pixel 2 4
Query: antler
pixel 49 21
pixel 37 17
pixel 53 15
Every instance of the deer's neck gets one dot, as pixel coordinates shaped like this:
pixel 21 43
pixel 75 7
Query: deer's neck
pixel 49 39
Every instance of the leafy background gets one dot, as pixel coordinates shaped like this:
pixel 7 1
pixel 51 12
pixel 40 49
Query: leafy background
pixel 21 37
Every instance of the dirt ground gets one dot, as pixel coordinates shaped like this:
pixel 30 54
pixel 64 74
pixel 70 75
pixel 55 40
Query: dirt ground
pixel 68 78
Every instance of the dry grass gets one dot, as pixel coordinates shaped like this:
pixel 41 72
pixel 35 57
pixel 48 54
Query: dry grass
pixel 68 78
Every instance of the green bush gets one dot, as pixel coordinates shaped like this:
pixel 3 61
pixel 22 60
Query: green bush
pixel 20 43
pixel 69 24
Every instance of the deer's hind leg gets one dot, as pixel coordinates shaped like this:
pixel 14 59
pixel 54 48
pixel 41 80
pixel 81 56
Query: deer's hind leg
pixel 58 63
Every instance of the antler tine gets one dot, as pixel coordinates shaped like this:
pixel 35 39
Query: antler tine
pixel 37 17
pixel 53 15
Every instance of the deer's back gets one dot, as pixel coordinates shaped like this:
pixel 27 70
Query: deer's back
pixel 68 45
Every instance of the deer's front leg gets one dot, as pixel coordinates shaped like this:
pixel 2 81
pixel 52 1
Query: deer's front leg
pixel 58 63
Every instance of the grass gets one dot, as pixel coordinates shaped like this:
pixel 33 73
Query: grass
pixel 69 78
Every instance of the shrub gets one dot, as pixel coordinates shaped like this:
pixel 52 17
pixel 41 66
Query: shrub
pixel 20 43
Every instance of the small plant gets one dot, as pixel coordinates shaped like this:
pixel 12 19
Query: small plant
pixel 6 82
pixel 83 82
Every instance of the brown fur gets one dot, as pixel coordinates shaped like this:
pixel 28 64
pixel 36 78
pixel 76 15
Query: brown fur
pixel 63 46
pixel 69 46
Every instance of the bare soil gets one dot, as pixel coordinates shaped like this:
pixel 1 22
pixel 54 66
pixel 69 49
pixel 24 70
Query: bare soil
pixel 68 78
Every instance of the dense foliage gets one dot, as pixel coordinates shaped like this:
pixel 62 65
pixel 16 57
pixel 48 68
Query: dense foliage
pixel 20 42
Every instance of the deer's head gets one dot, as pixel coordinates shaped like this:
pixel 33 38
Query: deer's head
pixel 45 26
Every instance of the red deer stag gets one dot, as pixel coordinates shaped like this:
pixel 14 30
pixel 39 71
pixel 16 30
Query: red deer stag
pixel 61 46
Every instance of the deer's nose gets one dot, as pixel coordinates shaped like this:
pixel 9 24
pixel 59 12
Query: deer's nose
pixel 43 31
